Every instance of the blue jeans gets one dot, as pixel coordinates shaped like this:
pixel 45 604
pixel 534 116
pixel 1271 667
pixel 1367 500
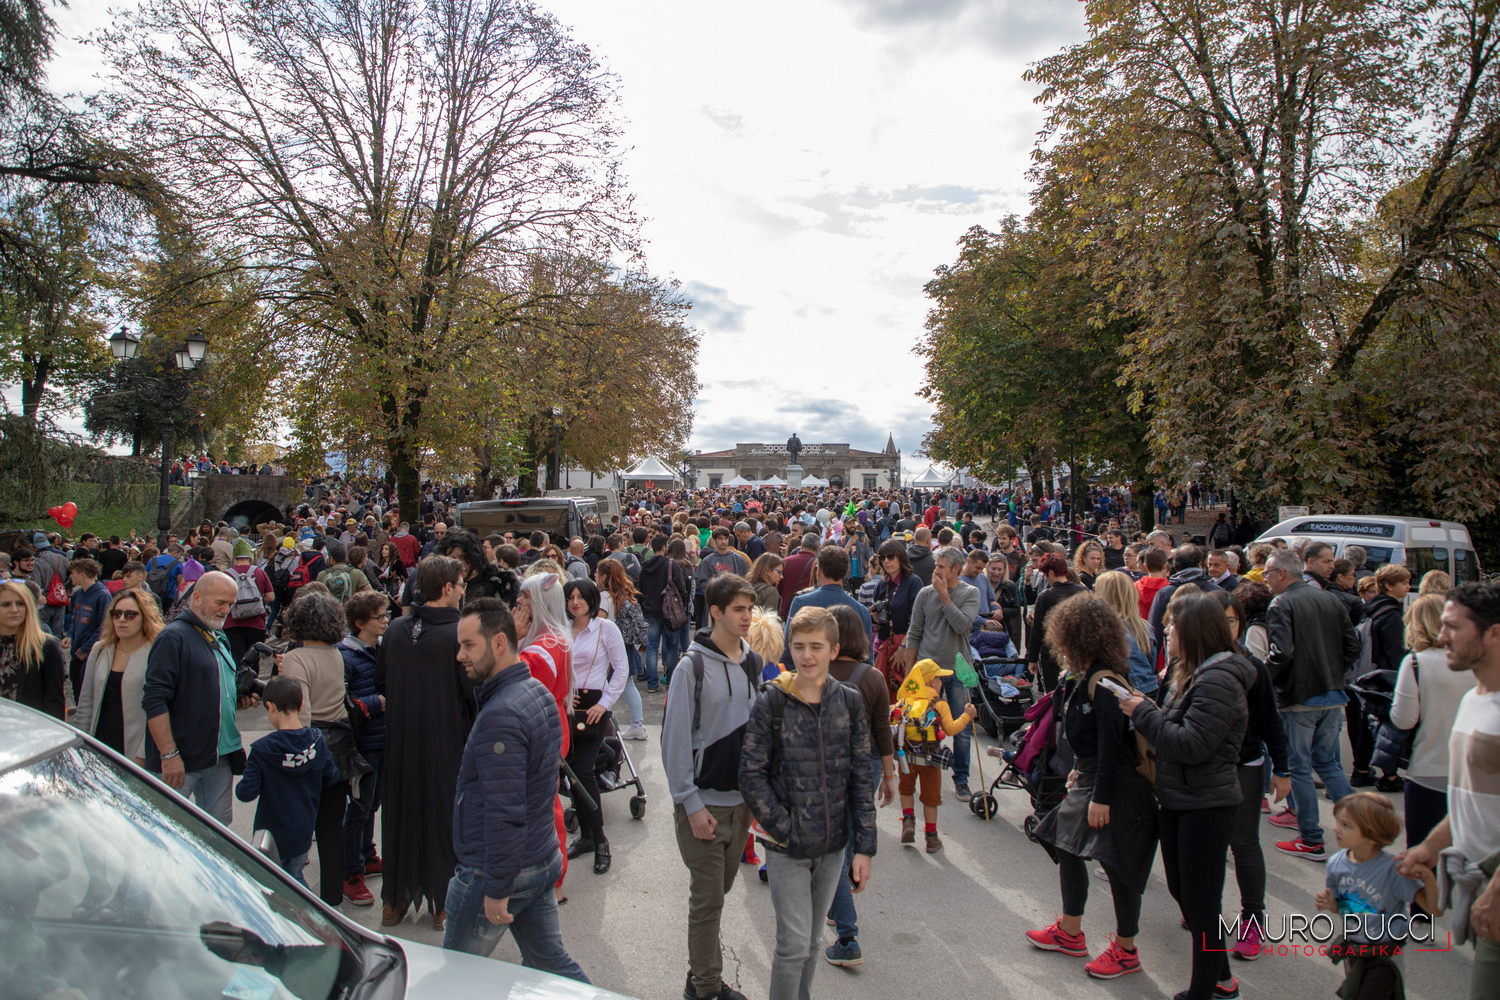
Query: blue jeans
pixel 210 789
pixel 957 696
pixel 664 646
pixel 631 696
pixel 359 822
pixel 1312 744
pixel 842 911
pixel 295 866
pixel 533 907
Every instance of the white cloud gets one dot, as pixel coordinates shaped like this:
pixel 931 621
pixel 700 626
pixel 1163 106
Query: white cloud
pixel 803 168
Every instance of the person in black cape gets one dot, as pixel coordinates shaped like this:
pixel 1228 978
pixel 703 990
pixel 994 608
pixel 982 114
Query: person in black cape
pixel 429 709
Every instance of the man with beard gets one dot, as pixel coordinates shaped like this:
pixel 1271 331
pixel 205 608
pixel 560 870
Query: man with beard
pixel 508 861
pixel 429 708
pixel 189 696
pixel 1471 632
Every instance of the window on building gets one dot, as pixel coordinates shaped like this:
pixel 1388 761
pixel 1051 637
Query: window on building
pixel 870 482
pixel 714 482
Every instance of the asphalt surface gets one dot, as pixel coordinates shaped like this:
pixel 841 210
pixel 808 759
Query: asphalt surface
pixel 947 924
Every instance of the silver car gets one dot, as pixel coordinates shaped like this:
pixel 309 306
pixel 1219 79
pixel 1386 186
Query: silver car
pixel 112 886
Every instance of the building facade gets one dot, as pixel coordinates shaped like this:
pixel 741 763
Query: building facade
pixel 839 464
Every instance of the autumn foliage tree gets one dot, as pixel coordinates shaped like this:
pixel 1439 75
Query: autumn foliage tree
pixel 380 166
pixel 1297 203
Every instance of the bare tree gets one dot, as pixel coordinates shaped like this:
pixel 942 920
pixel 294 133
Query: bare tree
pixel 370 161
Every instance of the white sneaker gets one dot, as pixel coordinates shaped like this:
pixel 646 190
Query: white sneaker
pixel 635 732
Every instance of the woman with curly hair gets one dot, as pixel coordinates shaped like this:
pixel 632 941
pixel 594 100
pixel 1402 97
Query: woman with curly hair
pixel 621 604
pixel 1088 562
pixel 1109 813
pixel 317 622
pixel 1198 733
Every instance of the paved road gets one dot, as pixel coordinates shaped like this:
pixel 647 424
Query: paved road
pixel 931 925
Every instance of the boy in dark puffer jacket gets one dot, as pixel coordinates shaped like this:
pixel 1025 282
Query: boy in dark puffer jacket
pixel 807 775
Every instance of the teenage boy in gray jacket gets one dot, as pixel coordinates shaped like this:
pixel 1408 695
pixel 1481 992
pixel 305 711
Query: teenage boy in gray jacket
pixel 807 775
pixel 708 704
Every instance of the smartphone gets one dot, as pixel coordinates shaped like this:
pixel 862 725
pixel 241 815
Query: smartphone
pixel 1115 688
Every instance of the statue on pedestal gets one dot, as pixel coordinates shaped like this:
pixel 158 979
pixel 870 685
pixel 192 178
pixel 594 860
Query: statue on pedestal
pixel 793 447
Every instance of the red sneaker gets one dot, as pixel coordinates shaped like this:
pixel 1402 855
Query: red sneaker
pixel 1286 819
pixel 374 866
pixel 1265 805
pixel 1300 848
pixel 356 892
pixel 1055 939
pixel 1114 963
pixel 749 857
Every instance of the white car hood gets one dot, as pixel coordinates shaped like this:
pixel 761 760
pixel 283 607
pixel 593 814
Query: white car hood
pixel 438 974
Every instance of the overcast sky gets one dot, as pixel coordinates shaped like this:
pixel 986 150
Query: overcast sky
pixel 804 166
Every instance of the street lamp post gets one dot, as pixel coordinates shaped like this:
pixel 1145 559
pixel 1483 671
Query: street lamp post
pixel 554 469
pixel 124 345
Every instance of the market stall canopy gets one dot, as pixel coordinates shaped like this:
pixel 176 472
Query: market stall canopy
pixel 815 482
pixel 650 470
pixel 930 480
pixel 737 483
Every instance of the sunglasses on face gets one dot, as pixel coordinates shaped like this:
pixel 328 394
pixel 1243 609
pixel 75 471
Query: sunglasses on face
pixel 119 614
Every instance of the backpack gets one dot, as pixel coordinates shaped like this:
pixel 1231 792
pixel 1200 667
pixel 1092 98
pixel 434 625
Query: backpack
pixel 159 578
pixel 340 583
pixel 673 611
pixel 1366 660
pixel 248 602
pixel 299 577
pixel 751 664
pixel 57 593
pixel 632 622
pixel 1145 753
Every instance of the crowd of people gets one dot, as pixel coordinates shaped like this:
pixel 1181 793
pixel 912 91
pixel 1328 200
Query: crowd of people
pixel 457 694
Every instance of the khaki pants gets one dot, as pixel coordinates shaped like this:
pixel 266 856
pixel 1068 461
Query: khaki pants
pixel 712 866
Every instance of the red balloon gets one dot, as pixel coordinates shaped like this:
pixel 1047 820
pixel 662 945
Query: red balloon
pixel 70 508
pixel 65 521
pixel 55 513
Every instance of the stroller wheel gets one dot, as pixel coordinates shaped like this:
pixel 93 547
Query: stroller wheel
pixel 984 806
pixel 637 806
pixel 1029 827
pixel 570 820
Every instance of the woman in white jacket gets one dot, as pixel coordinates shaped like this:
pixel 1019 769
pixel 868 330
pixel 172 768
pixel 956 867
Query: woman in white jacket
pixel 600 673
pixel 1427 696
pixel 109 700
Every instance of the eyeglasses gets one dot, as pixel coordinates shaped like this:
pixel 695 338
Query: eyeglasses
pixel 1235 619
pixel 122 613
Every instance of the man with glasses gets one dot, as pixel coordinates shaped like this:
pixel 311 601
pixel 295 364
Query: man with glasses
pixel 1312 644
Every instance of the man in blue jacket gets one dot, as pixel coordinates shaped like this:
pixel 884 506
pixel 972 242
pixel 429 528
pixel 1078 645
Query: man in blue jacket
pixel 90 610
pixel 503 837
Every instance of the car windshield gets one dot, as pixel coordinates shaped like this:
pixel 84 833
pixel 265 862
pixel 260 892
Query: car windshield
pixel 111 887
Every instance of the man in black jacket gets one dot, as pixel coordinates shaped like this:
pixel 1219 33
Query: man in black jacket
pixel 807 773
pixel 189 697
pixel 1312 645
pixel 504 840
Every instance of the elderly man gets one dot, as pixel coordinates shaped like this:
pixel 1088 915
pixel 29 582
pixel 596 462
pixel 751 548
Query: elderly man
pixel 190 699
pixel 940 620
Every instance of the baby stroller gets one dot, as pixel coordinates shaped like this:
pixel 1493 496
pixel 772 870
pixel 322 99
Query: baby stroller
pixel 1376 691
pixel 1003 696
pixel 1040 763
pixel 611 766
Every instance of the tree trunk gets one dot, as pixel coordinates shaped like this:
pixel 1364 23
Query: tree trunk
pixel 408 489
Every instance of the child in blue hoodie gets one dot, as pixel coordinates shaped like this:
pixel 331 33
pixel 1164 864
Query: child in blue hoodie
pixel 288 770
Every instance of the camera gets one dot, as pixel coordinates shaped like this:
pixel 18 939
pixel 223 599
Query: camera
pixel 247 676
pixel 880 612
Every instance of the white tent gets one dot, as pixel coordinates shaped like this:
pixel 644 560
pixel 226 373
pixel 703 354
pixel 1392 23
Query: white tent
pixel 650 470
pixel 815 482
pixel 773 481
pixel 929 480
pixel 737 483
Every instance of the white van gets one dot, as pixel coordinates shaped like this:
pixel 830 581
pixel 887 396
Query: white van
pixel 607 499
pixel 1417 543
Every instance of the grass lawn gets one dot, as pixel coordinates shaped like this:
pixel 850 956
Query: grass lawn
pixel 110 510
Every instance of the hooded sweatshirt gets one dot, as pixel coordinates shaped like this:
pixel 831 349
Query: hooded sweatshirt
pixel 921 562
pixel 288 769
pixel 703 764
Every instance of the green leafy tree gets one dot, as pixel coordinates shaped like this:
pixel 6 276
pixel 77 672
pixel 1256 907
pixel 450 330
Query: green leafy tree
pixel 50 340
